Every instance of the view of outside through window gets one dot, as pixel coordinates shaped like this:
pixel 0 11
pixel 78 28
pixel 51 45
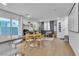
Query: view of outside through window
pixel 8 27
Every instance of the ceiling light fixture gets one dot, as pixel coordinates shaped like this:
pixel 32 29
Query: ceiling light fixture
pixel 27 16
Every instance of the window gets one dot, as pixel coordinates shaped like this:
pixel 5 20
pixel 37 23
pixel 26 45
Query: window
pixel 8 27
pixel 15 27
pixel 4 26
pixel 46 25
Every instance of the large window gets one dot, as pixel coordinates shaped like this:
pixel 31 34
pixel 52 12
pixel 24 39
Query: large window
pixel 4 26
pixel 15 27
pixel 46 25
pixel 9 27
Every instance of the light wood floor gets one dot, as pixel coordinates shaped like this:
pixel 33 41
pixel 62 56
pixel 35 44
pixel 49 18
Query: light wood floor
pixel 54 47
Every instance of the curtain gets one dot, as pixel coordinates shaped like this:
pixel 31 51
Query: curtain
pixel 42 26
pixel 52 25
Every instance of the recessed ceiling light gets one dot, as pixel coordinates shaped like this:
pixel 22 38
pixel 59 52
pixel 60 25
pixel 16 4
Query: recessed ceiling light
pixel 54 9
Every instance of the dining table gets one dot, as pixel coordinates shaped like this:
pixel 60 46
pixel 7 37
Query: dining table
pixel 35 38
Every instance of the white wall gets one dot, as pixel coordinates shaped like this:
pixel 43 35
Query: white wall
pixel 73 19
pixel 73 36
pixel 64 27
pixel 74 41
pixel 35 23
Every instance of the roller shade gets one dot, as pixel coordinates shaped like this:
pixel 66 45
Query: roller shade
pixel 7 14
pixel 14 18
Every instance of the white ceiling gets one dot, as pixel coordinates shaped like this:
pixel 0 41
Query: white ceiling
pixel 39 11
